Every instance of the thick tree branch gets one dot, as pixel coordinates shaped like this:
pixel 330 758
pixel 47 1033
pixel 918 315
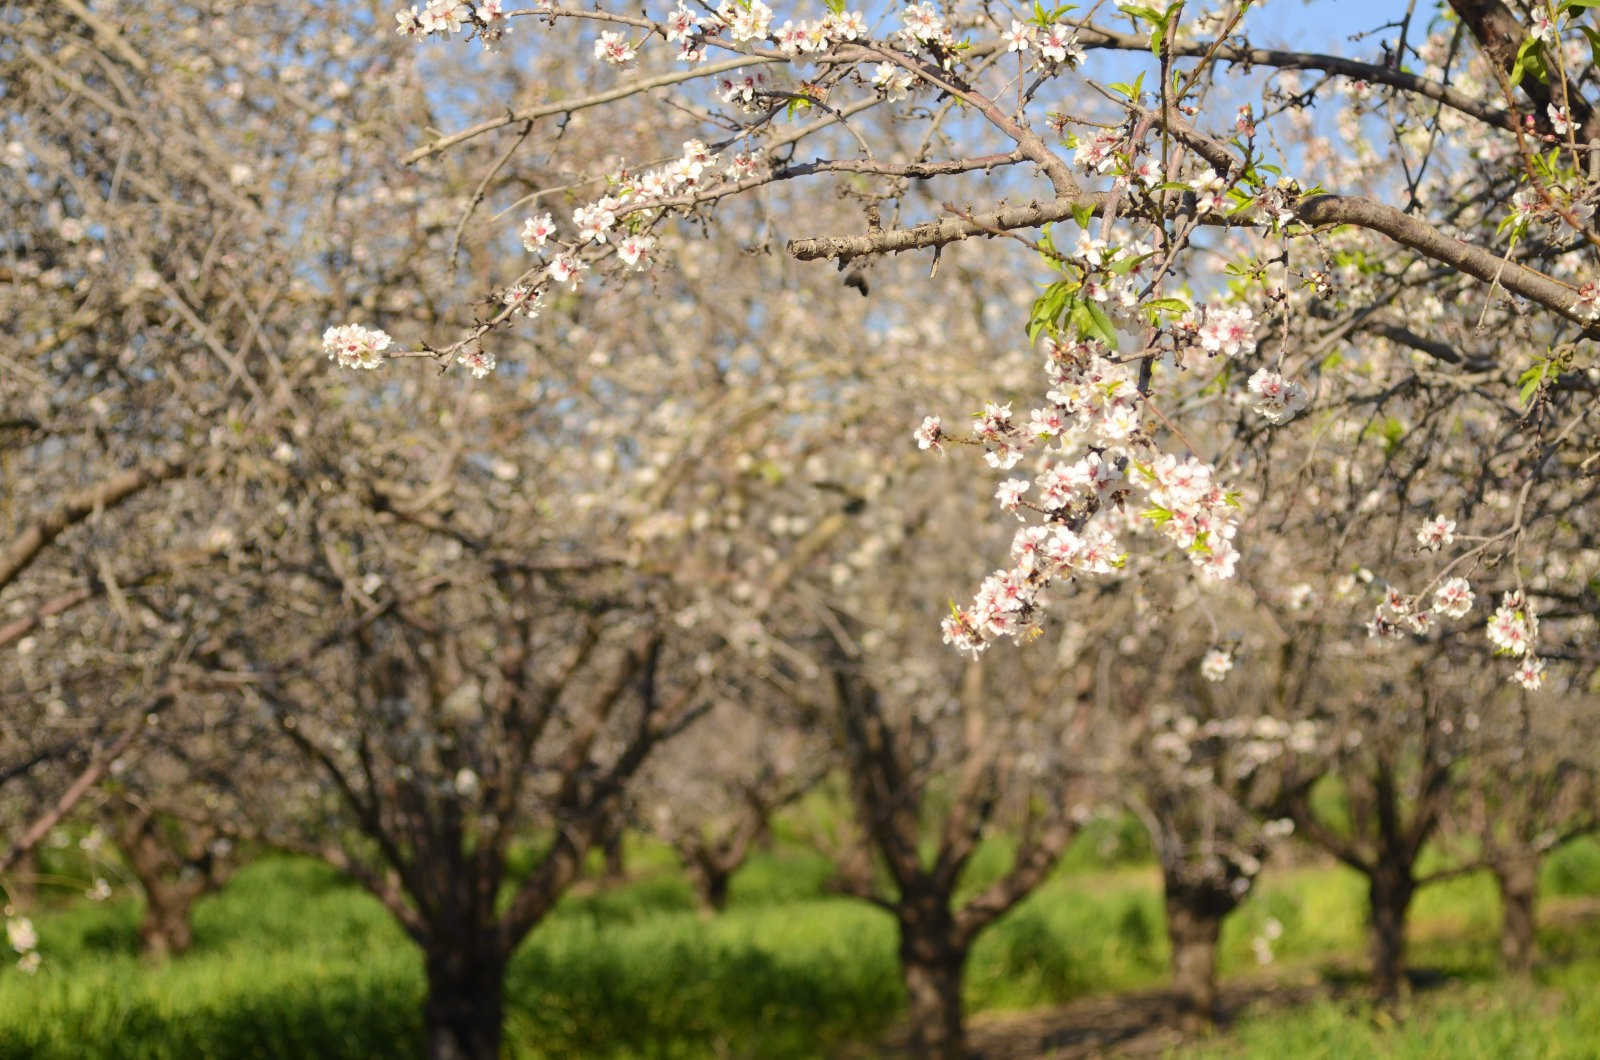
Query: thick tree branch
pixel 1092 37
pixel 78 507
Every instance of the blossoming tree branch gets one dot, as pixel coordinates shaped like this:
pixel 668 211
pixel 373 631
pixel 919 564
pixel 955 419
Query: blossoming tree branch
pixel 1251 258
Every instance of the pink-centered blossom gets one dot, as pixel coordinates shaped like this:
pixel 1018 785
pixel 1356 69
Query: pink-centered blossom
pixel 613 48
pixel 568 269
pixel 1436 533
pixel 1453 599
pixel 1009 494
pixel 1529 673
pixel 1060 45
pixel 681 24
pixel 1018 37
pixel 1278 400
pixel 634 250
pixel 536 231
pixel 478 361
pixel 1511 628
pixel 1227 330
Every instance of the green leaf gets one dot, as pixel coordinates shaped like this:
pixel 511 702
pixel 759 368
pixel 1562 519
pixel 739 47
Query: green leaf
pixel 1130 91
pixel 1137 12
pixel 1530 57
pixel 1101 326
pixel 1533 378
pixel 1393 432
pixel 1127 263
pixel 1168 305
pixel 1594 42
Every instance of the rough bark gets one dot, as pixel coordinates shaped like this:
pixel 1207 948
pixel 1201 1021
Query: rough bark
pixel 1389 893
pixel 1519 887
pixel 1194 923
pixel 466 999
pixel 933 966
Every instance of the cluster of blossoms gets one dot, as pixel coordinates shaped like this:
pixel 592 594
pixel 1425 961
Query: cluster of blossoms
pixel 354 346
pixel 1398 615
pixel 1193 512
pixel 922 25
pixel 24 940
pixel 601 222
pixel 1086 440
pixel 444 17
pixel 1250 743
pixel 745 21
pixel 1058 43
pixel 799 38
pixel 1453 599
pixel 1227 330
pixel 1513 630
pixel 1512 627
pixel 1276 399
pixel 894 82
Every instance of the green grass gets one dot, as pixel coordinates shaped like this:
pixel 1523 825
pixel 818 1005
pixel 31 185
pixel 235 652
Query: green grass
pixel 291 961
pixel 1557 1015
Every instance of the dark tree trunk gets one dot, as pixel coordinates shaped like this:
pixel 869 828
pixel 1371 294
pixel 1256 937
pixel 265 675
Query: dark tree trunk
pixel 1519 887
pixel 616 863
pixel 1389 894
pixel 711 886
pixel 933 966
pixel 465 1006
pixel 165 929
pixel 1194 923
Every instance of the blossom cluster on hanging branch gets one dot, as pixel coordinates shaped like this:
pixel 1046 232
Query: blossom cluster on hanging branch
pixel 1204 276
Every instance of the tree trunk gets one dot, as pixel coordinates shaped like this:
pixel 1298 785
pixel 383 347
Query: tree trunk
pixel 1194 926
pixel 165 929
pixel 1519 886
pixel 616 862
pixel 465 1006
pixel 1389 894
pixel 933 967
pixel 711 886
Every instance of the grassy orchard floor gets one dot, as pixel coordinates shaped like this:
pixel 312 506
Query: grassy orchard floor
pixel 289 961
